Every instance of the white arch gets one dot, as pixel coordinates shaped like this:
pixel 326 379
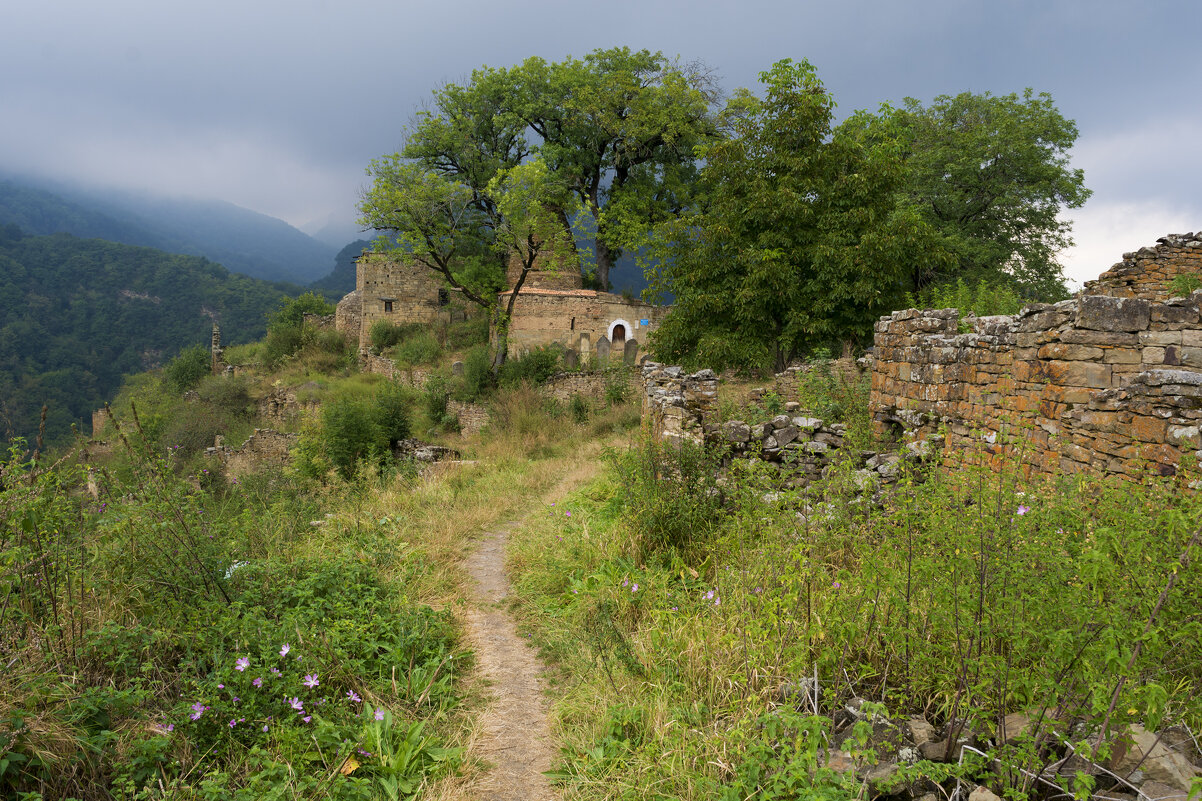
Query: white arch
pixel 628 327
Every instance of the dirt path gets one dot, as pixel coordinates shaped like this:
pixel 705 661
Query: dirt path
pixel 515 735
pixel 515 731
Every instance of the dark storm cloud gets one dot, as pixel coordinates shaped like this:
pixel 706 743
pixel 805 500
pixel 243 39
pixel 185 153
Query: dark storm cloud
pixel 279 106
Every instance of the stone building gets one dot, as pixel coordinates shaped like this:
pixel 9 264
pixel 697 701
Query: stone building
pixel 1107 381
pixel 551 308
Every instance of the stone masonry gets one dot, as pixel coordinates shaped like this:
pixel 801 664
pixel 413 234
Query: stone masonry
pixel 1150 272
pixel 1101 382
pixel 581 320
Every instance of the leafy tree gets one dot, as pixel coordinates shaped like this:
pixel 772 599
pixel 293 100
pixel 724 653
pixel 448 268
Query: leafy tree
pixel 292 311
pixel 798 240
pixel 991 175
pixel 616 130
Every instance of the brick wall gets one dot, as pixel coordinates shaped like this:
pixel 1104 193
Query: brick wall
pixel 592 384
pixel 1150 272
pixel 411 290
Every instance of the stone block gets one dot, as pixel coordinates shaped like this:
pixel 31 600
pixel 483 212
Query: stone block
pixel 1080 336
pixel 1078 374
pixel 1122 356
pixel 1060 350
pixel 1160 338
pixel 1103 313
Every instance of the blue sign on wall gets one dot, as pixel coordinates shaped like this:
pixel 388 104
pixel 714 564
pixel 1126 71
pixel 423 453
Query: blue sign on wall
pixel 644 322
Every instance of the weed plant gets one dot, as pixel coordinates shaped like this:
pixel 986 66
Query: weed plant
pixel 163 641
pixel 969 596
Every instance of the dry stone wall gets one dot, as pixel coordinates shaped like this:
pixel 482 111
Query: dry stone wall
pixel 591 384
pixel 1098 382
pixel 264 447
pixel 1150 272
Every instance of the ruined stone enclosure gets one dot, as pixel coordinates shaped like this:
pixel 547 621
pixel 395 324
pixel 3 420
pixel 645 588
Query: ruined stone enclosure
pixel 1109 381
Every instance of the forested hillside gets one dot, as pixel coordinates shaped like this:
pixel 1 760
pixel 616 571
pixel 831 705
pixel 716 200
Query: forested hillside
pixel 241 240
pixel 77 314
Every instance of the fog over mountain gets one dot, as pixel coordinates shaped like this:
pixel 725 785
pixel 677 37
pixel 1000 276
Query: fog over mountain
pixel 278 107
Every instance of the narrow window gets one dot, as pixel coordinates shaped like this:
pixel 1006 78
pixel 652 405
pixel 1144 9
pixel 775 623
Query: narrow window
pixel 444 297
pixel 573 328
pixel 387 306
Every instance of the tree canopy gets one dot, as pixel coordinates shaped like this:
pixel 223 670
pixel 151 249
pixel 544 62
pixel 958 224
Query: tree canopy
pixel 797 241
pixel 991 175
pixel 616 132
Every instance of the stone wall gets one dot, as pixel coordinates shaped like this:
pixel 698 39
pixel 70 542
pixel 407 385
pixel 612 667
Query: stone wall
pixel 395 291
pixel 591 384
pixel 1098 382
pixel 787 384
pixel 264 447
pixel 1150 272
pixel 581 320
pixel 679 406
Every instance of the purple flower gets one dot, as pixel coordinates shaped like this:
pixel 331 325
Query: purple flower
pixel 569 514
pixel 708 595
pixel 717 601
pixel 264 727
pixel 258 682
pixel 379 714
pixel 635 588
pixel 311 680
pixel 170 727
pixel 351 694
pixel 307 718
pixel 836 585
pixel 276 671
pixel 220 686
pixel 1022 510
pixel 297 704
pixel 242 664
pixel 285 649
pixel 198 709
pixel 233 723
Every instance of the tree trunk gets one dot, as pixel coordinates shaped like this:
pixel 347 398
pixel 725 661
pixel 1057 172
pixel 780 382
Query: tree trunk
pixel 605 260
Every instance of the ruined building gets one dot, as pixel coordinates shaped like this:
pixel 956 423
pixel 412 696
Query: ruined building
pixel 1108 381
pixel 552 308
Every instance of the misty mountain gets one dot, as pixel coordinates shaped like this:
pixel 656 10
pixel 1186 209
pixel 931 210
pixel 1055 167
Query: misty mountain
pixel 342 279
pixel 78 314
pixel 241 240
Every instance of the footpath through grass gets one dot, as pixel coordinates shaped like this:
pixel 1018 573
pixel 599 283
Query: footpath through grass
pixel 707 635
pixel 274 637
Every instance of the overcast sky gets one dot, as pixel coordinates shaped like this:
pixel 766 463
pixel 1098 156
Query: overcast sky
pixel 279 106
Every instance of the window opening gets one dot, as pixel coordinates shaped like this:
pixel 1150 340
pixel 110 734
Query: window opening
pixel 387 306
pixel 444 297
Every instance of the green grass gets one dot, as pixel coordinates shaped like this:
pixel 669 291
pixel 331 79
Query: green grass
pixel 973 595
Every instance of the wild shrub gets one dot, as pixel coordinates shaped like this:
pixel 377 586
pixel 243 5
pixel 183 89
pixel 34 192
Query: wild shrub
pixel 535 367
pixel 467 333
pixel 185 370
pixel 477 379
pixel 393 404
pixel 985 298
pixel 672 499
pixel 418 348
pixel 228 394
pixel 578 408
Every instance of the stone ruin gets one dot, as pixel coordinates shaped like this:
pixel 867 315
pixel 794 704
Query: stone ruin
pixel 1109 381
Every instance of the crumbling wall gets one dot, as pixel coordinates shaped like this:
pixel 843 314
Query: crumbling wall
pixel 264 447
pixel 1151 272
pixel 596 325
pixel 588 383
pixel 1099 382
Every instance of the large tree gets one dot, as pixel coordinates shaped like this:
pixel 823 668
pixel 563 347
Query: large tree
pixel 618 128
pixel 992 176
pixel 798 240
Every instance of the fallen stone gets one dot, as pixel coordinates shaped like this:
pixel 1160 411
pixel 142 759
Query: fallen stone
pixel 1140 749
pixel 983 793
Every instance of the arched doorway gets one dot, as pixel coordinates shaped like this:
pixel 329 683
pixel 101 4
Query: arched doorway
pixel 619 335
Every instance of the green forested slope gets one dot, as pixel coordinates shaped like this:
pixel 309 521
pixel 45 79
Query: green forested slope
pixel 77 314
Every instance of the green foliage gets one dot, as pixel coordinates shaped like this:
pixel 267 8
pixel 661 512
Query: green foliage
pixel 477 380
pixel 168 640
pixel 393 403
pixel 186 369
pixel 982 300
pixel 77 315
pixel 1183 285
pixel 535 367
pixel 468 333
pixel 798 241
pixel 292 311
pixel 991 175
pixel 417 348
pixel 672 499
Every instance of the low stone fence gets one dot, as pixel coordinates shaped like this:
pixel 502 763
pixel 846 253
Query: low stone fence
pixel 588 383
pixel 1101 383
pixel 680 406
pixel 264 447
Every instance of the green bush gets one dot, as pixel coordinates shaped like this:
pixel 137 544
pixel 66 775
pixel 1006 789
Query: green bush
pixel 477 380
pixel 534 367
pixel 672 499
pixel 578 407
pixel 230 395
pixel 385 334
pixel 420 347
pixel 185 370
pixel 984 299
pixel 392 411
pixel 292 311
pixel 468 333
